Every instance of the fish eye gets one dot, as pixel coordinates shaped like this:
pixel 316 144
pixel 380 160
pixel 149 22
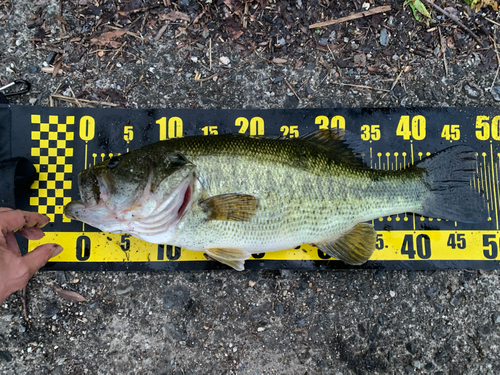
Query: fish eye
pixel 113 162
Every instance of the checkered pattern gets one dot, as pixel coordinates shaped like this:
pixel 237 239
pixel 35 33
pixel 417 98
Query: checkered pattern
pixel 51 147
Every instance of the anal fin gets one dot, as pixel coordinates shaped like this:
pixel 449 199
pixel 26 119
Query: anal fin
pixel 232 257
pixel 230 207
pixel 354 247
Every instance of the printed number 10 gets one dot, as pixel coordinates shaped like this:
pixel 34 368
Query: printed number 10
pixel 171 129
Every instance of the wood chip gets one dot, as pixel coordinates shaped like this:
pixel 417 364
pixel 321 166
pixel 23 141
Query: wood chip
pixel 278 60
pixel 174 16
pixel 108 38
pixel 68 294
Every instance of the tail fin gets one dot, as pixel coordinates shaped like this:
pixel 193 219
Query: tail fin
pixel 448 174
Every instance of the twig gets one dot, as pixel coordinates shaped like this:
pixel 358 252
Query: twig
pixel 454 19
pixel 25 305
pixel 360 86
pixel 370 12
pixel 210 52
pixel 498 63
pixel 397 79
pixel 443 49
pixel 77 101
pixel 65 98
pixel 291 88
pixel 496 23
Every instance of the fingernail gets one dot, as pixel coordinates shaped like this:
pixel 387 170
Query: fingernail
pixel 56 250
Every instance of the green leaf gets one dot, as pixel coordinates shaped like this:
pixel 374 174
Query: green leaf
pixel 418 8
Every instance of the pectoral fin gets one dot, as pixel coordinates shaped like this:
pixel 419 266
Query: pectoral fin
pixel 354 247
pixel 230 207
pixel 232 257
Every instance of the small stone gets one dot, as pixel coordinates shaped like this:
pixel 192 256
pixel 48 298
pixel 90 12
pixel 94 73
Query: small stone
pixel 392 294
pixel 251 283
pixel 224 60
pixel 309 90
pixel 279 309
pixel 495 92
pixel 301 323
pixel 323 42
pixel 457 298
pixel 472 92
pixel 369 313
pixel 438 307
pixel 281 41
pixel 278 79
pixel 194 59
pixel 495 317
pixel 411 348
pixel 51 57
pixel 417 364
pixel 22 329
pixel 381 319
pixel 122 290
pixel 431 292
pixel 260 329
pixel 409 369
pixel 384 37
pixel 485 330
pixel 429 366
pixel 32 69
pixel 50 311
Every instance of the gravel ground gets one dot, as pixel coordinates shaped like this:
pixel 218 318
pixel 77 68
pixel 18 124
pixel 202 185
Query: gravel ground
pixel 335 322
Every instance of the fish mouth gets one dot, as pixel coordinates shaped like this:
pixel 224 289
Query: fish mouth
pixel 93 191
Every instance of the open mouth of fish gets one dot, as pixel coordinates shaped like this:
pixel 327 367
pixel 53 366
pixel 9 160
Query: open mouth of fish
pixel 95 194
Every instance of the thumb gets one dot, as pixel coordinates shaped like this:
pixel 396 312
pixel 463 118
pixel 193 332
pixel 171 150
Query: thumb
pixel 37 258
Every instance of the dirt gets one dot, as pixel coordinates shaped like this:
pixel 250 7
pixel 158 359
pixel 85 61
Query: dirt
pixel 258 54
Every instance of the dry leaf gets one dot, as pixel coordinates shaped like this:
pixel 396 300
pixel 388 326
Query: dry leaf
pixel 107 38
pixel 174 16
pixel 278 60
pixel 68 294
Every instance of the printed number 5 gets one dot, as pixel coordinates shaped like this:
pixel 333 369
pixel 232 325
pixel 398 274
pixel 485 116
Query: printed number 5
pixel 128 133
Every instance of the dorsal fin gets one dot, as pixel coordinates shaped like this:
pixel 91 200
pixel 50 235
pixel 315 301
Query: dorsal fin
pixel 341 145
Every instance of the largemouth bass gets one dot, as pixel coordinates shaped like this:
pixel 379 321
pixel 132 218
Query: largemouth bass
pixel 230 195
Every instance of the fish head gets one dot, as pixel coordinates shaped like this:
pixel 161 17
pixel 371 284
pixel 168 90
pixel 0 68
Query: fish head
pixel 133 187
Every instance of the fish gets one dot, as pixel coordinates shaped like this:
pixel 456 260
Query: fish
pixel 233 195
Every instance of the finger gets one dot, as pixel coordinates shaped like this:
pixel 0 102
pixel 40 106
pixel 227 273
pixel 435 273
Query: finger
pixel 11 243
pixel 36 259
pixel 32 234
pixel 11 221
pixel 2 209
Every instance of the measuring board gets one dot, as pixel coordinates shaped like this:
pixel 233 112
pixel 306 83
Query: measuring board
pixel 63 141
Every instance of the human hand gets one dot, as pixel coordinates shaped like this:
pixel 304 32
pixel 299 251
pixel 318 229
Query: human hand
pixel 15 269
